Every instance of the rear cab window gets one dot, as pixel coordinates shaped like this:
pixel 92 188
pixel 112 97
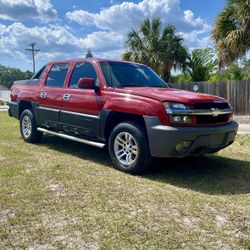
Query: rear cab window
pixel 35 79
pixel 38 75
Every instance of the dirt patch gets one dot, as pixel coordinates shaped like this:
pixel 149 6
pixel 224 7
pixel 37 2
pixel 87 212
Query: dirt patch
pixel 57 189
pixel 220 220
pixel 2 158
pixel 5 215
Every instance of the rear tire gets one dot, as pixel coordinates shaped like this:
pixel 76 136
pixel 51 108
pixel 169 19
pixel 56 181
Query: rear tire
pixel 28 127
pixel 128 148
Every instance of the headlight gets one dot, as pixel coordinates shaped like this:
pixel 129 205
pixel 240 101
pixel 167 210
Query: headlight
pixel 175 105
pixel 173 109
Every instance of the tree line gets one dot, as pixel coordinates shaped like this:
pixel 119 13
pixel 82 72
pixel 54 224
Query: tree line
pixel 8 75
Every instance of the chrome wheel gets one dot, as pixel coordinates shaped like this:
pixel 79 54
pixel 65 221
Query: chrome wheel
pixel 125 148
pixel 26 126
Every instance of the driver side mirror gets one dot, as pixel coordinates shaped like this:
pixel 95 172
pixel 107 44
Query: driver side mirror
pixel 86 83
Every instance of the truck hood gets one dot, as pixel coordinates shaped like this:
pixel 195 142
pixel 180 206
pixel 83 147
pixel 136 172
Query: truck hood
pixel 170 94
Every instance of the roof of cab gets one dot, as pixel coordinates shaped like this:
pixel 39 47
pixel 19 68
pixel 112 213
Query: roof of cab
pixel 90 60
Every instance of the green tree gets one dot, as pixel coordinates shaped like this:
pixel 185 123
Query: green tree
pixel 28 74
pixel 201 64
pixel 246 67
pixel 184 77
pixel 231 31
pixel 161 50
pixel 8 75
pixel 234 72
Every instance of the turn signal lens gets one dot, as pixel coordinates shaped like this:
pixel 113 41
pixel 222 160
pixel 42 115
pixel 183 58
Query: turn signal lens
pixel 187 119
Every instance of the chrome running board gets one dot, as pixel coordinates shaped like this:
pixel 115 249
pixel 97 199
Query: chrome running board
pixel 72 138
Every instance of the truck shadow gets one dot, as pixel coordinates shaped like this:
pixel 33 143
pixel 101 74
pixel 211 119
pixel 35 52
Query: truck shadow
pixel 211 174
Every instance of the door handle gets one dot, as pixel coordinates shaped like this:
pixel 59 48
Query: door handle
pixel 66 97
pixel 43 95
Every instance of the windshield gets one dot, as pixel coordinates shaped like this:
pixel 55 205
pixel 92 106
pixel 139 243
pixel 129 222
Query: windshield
pixel 121 74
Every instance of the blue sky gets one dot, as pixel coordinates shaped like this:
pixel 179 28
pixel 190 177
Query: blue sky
pixel 66 29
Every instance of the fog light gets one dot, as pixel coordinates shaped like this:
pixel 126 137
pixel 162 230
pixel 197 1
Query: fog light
pixel 181 119
pixel 177 118
pixel 182 146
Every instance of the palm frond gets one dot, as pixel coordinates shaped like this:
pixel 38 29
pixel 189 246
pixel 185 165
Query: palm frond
pixel 231 31
pixel 201 64
pixel 161 50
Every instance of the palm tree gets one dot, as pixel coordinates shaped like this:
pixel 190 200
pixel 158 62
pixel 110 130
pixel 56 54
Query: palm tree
pixel 160 50
pixel 201 64
pixel 231 31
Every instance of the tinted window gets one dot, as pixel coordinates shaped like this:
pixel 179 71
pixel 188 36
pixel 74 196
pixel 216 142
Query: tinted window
pixel 119 74
pixel 39 73
pixel 57 75
pixel 82 70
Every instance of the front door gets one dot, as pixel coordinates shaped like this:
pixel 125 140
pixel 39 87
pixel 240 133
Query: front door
pixel 50 96
pixel 81 108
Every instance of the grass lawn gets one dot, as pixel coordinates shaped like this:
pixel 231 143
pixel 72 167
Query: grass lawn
pixel 61 194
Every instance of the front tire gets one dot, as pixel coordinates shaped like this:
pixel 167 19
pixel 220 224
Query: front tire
pixel 128 148
pixel 28 127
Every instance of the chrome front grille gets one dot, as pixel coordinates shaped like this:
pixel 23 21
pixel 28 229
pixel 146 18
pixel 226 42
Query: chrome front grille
pixel 220 113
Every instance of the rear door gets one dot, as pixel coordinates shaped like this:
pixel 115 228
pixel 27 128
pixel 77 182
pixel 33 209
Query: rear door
pixel 81 107
pixel 50 96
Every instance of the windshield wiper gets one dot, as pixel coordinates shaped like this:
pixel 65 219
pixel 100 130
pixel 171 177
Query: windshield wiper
pixel 132 85
pixel 143 86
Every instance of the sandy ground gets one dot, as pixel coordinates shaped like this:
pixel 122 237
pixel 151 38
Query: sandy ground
pixel 244 119
pixel 3 107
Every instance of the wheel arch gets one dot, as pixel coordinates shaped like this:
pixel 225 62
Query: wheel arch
pixel 113 118
pixel 22 105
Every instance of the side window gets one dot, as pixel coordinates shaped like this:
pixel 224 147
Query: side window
pixel 82 70
pixel 39 73
pixel 57 75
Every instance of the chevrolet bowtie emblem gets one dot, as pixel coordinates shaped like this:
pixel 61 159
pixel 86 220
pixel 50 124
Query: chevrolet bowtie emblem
pixel 215 112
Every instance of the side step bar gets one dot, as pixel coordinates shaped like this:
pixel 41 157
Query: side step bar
pixel 72 138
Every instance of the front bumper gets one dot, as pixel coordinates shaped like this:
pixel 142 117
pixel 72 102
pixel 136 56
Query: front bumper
pixel 164 139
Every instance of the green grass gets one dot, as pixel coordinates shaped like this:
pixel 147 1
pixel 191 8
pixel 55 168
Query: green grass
pixel 60 194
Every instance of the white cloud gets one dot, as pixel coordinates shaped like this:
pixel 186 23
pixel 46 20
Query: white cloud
pixel 103 41
pixel 111 27
pixel 109 54
pixel 192 42
pixel 27 9
pixel 116 21
pixel 127 15
pixel 2 27
pixel 55 42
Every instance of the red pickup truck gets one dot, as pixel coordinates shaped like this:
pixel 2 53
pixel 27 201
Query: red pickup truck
pixel 123 105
